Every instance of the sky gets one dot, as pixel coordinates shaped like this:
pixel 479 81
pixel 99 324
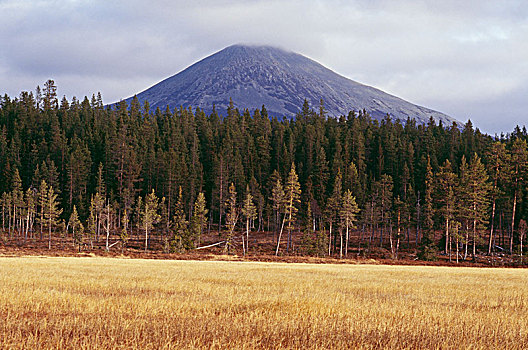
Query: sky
pixel 466 58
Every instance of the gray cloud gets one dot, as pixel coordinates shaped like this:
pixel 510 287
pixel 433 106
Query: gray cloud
pixel 465 58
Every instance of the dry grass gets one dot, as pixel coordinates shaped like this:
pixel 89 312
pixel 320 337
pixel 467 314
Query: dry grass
pixel 87 303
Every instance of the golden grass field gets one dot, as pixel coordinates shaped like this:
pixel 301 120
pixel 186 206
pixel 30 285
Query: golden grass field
pixel 89 303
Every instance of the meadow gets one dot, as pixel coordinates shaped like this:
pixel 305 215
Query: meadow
pixel 90 303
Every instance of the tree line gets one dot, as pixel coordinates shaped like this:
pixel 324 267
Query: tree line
pixel 91 171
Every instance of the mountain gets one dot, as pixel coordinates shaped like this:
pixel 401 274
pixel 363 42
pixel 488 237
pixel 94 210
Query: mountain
pixel 261 75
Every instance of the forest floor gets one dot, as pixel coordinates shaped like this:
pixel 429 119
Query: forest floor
pixel 262 248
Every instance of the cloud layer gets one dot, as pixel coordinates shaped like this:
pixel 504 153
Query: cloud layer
pixel 468 59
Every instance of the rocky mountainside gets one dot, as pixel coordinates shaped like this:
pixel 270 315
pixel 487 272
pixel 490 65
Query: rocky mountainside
pixel 261 75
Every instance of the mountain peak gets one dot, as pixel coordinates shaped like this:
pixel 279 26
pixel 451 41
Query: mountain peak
pixel 256 75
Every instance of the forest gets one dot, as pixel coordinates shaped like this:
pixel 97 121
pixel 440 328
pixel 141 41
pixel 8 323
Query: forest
pixel 159 180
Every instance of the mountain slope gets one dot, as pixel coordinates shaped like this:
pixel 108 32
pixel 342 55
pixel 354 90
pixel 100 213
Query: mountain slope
pixel 261 75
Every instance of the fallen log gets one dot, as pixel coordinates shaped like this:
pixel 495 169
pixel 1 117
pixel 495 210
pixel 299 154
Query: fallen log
pixel 210 245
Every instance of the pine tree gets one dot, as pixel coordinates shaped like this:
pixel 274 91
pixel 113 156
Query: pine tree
pixel 463 204
pixel 6 204
pixel 313 242
pixel 384 202
pixel 292 200
pixel 42 196
pixel 199 218
pixel 31 210
pixel 478 190
pixel 106 219
pixel 231 217
pixel 124 234
pixel 519 162
pixel 497 167
pixel 50 95
pixel 348 213
pixel 92 222
pixel 77 228
pixel 51 212
pixel 249 211
pixel 277 199
pixel 321 175
pixel 523 227
pixel 307 238
pixel 17 200
pixel 399 213
pixel 332 207
pixel 427 248
pixel 98 201
pixel 78 170
pixel 149 215
pixel 164 223
pixel 182 239
pixel 445 184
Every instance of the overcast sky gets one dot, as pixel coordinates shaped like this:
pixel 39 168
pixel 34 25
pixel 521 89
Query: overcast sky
pixel 468 59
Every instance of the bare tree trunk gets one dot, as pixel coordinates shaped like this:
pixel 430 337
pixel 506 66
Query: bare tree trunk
pixel 280 235
pixel 397 245
pixel 513 222
pixel 474 239
pixel 492 226
pixel 450 239
pixel 107 236
pixel 391 244
pixel 346 241
pixel 447 234
pixel 457 249
pixel 340 243
pixel 360 240
pixel 49 230
pixel 220 195
pixel 247 235
pixel 467 242
pixel 521 249
pixel 330 239
pixel 146 238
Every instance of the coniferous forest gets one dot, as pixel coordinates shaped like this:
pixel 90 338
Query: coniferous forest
pixel 82 175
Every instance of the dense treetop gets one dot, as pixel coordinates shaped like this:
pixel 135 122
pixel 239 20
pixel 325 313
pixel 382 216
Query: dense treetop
pixel 82 149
